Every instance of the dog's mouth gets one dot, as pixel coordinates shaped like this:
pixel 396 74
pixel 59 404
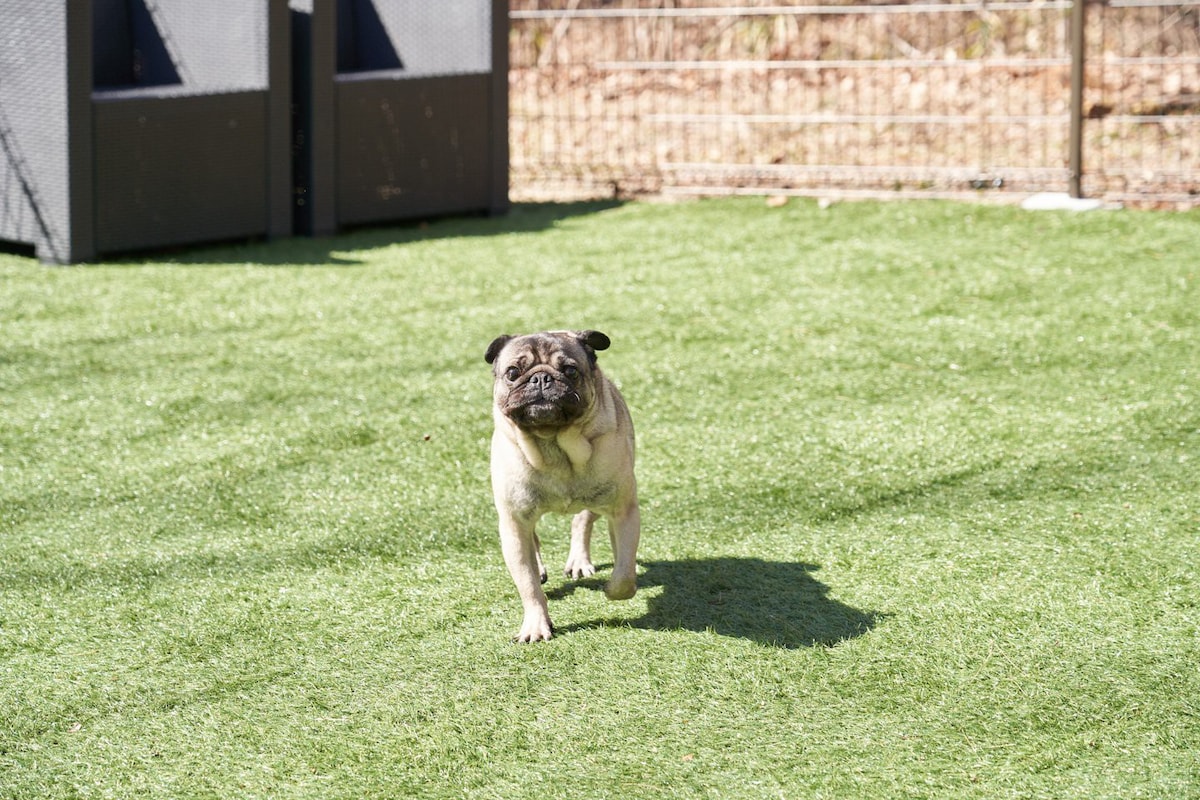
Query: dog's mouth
pixel 540 414
pixel 545 409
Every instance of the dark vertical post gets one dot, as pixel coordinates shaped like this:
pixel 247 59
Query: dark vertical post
pixel 498 103
pixel 1075 143
pixel 80 217
pixel 314 55
pixel 279 116
pixel 322 101
pixel 301 143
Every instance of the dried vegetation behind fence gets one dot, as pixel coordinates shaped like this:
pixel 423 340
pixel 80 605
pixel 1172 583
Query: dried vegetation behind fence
pixel 928 99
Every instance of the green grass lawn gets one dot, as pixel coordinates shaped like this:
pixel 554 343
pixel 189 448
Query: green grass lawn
pixel 920 502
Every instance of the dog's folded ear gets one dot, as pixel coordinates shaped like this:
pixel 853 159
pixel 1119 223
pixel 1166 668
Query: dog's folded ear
pixel 496 346
pixel 594 339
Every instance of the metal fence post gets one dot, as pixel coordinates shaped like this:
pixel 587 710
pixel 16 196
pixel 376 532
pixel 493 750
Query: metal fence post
pixel 1075 142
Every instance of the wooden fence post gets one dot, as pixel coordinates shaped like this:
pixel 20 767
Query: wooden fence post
pixel 1075 144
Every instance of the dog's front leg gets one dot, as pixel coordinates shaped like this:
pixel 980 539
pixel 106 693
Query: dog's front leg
pixel 519 545
pixel 579 559
pixel 624 529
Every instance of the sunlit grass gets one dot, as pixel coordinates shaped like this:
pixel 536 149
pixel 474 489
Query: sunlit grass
pixel 919 489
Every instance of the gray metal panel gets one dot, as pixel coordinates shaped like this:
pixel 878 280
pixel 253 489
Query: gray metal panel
pixel 180 170
pixel 216 45
pixel 449 37
pixel 412 148
pixel 175 156
pixel 393 144
pixel 44 176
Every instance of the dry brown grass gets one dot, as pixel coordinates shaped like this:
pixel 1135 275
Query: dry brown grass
pixel 930 103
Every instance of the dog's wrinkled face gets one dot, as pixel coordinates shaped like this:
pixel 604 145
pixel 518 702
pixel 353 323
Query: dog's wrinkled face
pixel 545 381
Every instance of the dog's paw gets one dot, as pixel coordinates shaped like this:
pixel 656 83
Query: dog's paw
pixel 579 567
pixel 535 628
pixel 620 589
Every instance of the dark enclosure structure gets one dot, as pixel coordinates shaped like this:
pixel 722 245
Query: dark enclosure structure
pixel 128 124
pixel 137 124
pixel 401 110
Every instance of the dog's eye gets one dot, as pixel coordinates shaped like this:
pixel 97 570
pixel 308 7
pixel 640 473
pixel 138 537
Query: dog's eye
pixel 512 373
pixel 570 371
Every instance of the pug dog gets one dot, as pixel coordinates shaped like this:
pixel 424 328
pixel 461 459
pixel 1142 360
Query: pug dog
pixel 563 442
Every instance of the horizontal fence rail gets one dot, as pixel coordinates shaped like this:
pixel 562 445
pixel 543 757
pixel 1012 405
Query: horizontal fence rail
pixel 922 99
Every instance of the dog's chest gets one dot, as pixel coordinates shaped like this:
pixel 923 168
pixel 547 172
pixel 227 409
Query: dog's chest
pixel 569 497
pixel 561 489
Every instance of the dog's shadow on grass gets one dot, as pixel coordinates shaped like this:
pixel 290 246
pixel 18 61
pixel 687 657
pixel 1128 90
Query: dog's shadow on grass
pixel 775 603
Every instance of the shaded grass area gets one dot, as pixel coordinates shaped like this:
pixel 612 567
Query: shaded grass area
pixel 919 496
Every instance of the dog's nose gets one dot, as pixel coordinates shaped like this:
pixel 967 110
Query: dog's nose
pixel 540 380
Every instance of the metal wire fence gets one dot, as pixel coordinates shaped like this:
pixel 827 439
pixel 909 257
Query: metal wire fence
pixel 946 99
